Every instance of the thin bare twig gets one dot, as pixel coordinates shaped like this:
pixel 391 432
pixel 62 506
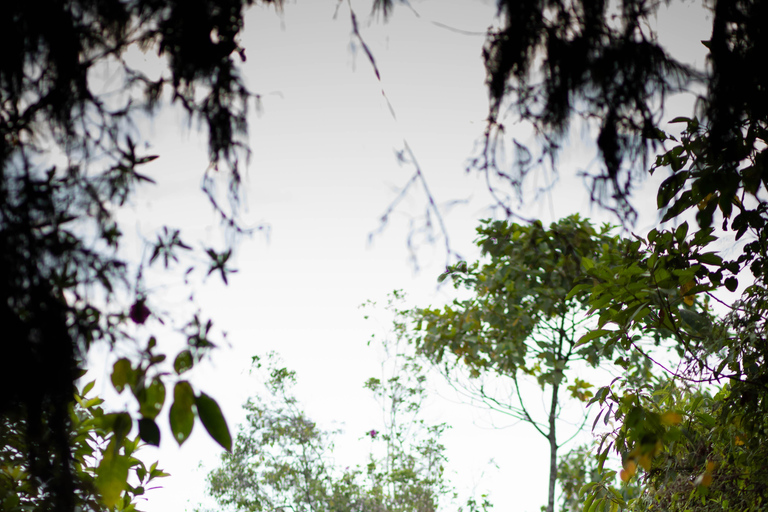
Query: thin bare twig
pixel 418 175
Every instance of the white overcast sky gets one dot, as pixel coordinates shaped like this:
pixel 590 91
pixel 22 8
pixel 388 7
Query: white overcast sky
pixel 323 171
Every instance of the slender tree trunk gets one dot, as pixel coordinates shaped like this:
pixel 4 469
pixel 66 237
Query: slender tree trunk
pixel 552 437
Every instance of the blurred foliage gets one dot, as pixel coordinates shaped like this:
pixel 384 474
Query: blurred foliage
pixel 551 64
pixel 107 474
pixel 70 158
pixel 578 470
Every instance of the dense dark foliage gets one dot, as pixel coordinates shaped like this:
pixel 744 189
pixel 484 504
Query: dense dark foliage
pixel 551 62
pixel 68 159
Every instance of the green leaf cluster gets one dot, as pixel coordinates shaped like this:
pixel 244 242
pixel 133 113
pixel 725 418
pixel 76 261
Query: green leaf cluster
pixel 695 434
pixel 530 312
pixel 106 471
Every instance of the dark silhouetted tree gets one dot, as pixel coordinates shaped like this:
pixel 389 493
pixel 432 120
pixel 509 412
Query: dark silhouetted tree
pixel 552 62
pixel 69 159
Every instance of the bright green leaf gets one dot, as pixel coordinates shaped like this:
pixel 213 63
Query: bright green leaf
pixel 152 398
pixel 183 362
pixel 591 335
pixel 181 417
pixel 121 374
pixel 88 387
pixel 112 475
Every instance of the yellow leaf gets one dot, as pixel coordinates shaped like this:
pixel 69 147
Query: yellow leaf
pixel 671 418
pixel 704 479
pixel 112 475
pixel 645 461
pixel 703 203
pixel 684 289
pixel 738 441
pixel 710 466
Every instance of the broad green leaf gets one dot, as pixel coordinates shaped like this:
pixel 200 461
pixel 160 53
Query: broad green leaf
pixel 112 475
pixel 660 275
pixel 181 417
pixel 183 362
pixel 152 398
pixel 598 303
pixel 577 289
pixel 697 322
pixel 670 187
pixel 88 387
pixel 149 432
pixel 617 497
pixel 683 203
pixel 118 423
pixel 586 487
pixel 121 374
pixel 710 258
pixel 183 394
pixel 591 335
pixel 588 501
pixel 213 420
pixel 641 312
pixel 91 402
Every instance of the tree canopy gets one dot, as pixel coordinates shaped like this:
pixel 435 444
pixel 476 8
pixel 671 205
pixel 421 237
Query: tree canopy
pixel 528 316
pixel 284 460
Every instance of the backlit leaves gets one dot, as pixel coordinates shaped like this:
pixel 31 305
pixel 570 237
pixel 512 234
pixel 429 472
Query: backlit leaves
pixel 213 420
pixel 181 416
pixel 183 362
pixel 112 474
pixel 149 431
pixel 122 374
pixel 151 398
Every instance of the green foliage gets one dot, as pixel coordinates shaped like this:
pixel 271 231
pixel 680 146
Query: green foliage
pixel 529 314
pixel 578 473
pixel 282 459
pixel 698 449
pixel 520 316
pixel 107 475
pixel 687 452
pixel 695 449
pixel 549 64
pixel 181 415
